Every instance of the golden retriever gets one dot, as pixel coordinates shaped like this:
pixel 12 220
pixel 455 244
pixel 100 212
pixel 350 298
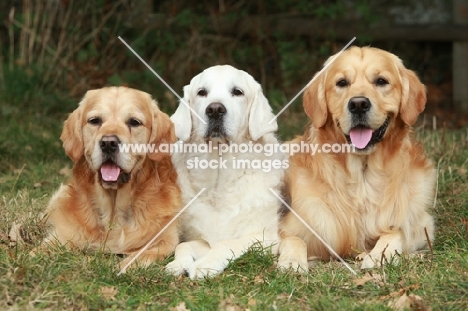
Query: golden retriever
pixel 237 209
pixel 117 201
pixel 374 200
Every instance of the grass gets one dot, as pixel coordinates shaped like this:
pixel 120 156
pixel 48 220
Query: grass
pixel 33 165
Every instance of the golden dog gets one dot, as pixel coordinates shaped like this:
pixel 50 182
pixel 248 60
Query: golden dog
pixel 117 201
pixel 374 199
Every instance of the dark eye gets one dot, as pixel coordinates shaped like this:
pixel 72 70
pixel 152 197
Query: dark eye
pixel 202 92
pixel 381 81
pixel 342 83
pixel 236 92
pixel 95 121
pixel 132 122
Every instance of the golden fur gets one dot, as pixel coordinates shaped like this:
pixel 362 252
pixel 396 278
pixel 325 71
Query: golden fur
pixel 121 216
pixel 372 201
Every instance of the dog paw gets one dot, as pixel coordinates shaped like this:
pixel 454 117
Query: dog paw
pixel 374 260
pixel 179 266
pixel 368 261
pixel 206 267
pixel 287 263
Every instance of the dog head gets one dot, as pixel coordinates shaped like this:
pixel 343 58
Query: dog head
pixel 108 118
pixel 365 93
pixel 230 103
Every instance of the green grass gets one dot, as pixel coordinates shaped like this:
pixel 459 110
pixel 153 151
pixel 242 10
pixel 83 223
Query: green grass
pixel 31 169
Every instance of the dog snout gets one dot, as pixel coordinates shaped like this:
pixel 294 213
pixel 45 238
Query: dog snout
pixel 109 144
pixel 359 105
pixel 215 110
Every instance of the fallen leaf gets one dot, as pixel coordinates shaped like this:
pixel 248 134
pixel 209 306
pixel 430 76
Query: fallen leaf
pixel 416 300
pixel 400 304
pixel 404 302
pixel 180 307
pixel 361 281
pixel 172 286
pixel 228 304
pixel 15 234
pixel 374 277
pixel 259 279
pixel 108 292
pixel 400 292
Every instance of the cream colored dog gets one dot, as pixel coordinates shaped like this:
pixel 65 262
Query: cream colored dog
pixel 237 208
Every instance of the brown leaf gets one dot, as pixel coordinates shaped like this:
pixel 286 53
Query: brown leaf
pixel 418 302
pixel 180 307
pixel 401 303
pixel 361 281
pixel 15 234
pixel 374 277
pixel 400 292
pixel 229 304
pixel 252 302
pixel 404 302
pixel 259 279
pixel 108 292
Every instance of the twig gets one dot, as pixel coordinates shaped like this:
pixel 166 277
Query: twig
pixel 50 22
pixel 430 246
pixel 63 33
pixel 11 35
pixel 48 48
pixel 78 45
pixel 383 256
pixel 32 38
pixel 437 186
pixel 24 35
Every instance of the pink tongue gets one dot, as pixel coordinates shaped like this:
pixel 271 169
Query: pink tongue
pixel 360 137
pixel 110 172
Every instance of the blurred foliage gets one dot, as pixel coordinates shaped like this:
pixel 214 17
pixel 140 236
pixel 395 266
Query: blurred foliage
pixel 52 51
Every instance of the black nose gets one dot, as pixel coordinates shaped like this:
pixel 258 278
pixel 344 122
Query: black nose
pixel 109 144
pixel 359 105
pixel 215 110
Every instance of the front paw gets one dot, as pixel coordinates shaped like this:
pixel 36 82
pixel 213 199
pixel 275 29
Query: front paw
pixel 179 266
pixel 206 267
pixel 368 261
pixel 288 263
pixel 374 260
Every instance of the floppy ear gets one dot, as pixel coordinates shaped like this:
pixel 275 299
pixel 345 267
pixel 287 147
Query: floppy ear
pixel 162 133
pixel 314 101
pixel 260 116
pixel 182 118
pixel 413 99
pixel 72 135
